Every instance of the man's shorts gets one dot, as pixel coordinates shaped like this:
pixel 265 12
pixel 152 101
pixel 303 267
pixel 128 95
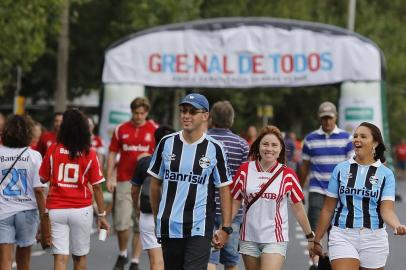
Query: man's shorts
pixel 20 228
pixel 228 255
pixel 70 230
pixel 316 201
pixel 147 232
pixel 254 249
pixel 123 207
pixel 368 246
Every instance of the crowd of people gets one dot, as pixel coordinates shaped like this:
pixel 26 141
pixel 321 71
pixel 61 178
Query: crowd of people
pixel 197 197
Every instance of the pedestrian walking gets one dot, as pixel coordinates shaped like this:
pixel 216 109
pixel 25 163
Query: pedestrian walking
pixel 188 165
pixel 359 203
pixel 69 166
pixel 236 148
pixel 141 182
pixel 129 140
pixel 21 193
pixel 322 150
pixel 265 185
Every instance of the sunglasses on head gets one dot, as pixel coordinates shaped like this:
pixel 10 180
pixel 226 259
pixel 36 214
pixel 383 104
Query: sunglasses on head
pixel 191 111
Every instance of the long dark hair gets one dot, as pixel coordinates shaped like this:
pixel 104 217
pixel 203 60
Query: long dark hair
pixel 254 150
pixel 74 133
pixel 17 131
pixel 377 136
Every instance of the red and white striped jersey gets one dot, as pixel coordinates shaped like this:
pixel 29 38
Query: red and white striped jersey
pixel 267 219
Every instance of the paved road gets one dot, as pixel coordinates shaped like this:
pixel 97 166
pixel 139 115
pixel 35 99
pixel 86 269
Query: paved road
pixel 103 254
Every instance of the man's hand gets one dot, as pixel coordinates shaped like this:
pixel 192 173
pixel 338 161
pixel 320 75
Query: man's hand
pixel 111 185
pixel 220 238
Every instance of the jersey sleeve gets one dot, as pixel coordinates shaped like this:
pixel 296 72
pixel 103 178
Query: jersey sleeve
pixel 239 181
pixel 95 173
pixel 114 144
pixel 388 188
pixel 156 166
pixel 295 190
pixel 36 160
pixel 221 171
pixel 46 165
pixel 332 190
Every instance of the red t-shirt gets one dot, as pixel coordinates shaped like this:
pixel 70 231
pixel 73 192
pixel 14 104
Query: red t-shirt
pixel 69 178
pixel 401 152
pixel 45 141
pixel 97 144
pixel 130 141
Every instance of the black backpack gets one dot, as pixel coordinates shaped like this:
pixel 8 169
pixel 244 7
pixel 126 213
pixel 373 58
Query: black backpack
pixel 145 205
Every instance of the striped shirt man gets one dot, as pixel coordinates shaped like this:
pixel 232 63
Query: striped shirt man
pixel 324 151
pixel 360 190
pixel 189 174
pixel 236 153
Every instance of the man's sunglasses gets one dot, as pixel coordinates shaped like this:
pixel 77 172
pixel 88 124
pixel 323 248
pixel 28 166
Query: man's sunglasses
pixel 191 111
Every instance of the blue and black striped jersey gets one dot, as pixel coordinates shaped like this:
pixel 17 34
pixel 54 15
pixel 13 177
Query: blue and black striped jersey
pixel 189 174
pixel 360 189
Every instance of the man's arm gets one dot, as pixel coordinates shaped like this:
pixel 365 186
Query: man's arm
pixel 111 162
pixel 220 237
pixel 155 195
pixel 304 171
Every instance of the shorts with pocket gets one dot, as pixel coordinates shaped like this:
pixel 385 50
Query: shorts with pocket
pixel 20 228
pixel 70 230
pixel 369 246
pixel 254 249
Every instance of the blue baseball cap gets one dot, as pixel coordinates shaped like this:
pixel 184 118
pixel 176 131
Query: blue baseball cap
pixel 196 100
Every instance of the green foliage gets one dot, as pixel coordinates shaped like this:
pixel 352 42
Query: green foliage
pixel 23 25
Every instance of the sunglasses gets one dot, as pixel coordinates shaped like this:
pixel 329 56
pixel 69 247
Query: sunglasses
pixel 191 111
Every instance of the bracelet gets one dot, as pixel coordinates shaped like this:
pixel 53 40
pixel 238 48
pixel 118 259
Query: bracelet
pixel 310 235
pixel 102 214
pixel 317 243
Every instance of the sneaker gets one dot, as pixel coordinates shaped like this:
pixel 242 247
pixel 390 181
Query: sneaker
pixel 313 267
pixel 120 263
pixel 133 266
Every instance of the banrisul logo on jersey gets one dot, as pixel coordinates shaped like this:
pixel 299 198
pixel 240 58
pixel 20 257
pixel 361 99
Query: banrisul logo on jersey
pixel 181 177
pixel 359 191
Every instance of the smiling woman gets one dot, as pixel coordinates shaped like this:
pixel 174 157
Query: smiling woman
pixel 365 189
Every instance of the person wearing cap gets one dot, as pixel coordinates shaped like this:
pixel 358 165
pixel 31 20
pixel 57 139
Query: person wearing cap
pixel 322 150
pixel 187 166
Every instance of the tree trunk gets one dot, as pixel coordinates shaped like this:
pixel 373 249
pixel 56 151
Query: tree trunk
pixel 63 59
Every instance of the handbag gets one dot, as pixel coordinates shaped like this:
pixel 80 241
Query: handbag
pixel 324 263
pixel 45 236
pixel 259 194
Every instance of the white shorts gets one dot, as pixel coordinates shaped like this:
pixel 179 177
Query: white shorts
pixel 256 249
pixel 71 227
pixel 147 232
pixel 370 247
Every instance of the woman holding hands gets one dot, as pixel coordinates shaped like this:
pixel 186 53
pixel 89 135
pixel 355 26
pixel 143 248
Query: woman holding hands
pixel 359 202
pixel 266 185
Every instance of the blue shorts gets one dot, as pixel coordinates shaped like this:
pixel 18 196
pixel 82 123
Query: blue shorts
pixel 228 255
pixel 20 228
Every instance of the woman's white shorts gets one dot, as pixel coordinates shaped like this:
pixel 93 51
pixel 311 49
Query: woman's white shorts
pixel 147 232
pixel 254 249
pixel 70 229
pixel 370 247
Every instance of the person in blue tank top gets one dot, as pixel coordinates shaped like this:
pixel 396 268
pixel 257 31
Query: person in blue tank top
pixel 359 202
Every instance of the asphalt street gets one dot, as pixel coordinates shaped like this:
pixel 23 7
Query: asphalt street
pixel 103 254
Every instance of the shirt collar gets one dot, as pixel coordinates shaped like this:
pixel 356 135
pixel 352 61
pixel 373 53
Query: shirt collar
pixel 320 131
pixel 194 143
pixel 375 164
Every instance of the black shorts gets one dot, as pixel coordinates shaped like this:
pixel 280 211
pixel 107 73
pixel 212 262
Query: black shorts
pixel 190 253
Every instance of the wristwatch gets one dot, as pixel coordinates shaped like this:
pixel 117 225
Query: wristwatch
pixel 228 230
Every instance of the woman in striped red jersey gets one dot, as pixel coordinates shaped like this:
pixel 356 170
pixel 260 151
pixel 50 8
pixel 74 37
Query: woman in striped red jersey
pixel 264 230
